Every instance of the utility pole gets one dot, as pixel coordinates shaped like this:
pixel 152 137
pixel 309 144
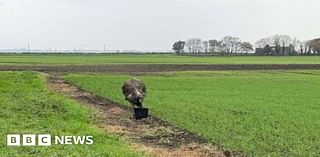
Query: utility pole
pixel 104 47
pixel 28 47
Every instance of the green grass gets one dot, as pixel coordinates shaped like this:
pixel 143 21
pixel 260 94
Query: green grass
pixel 27 106
pixel 261 113
pixel 15 59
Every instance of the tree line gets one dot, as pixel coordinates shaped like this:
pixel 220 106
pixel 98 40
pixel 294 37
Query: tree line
pixel 286 45
pixel 273 45
pixel 227 45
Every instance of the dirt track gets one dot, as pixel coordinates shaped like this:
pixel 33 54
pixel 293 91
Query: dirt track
pixel 140 68
pixel 152 135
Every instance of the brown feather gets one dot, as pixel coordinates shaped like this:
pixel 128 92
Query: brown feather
pixel 134 91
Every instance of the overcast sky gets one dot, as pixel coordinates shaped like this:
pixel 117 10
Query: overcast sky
pixel 150 24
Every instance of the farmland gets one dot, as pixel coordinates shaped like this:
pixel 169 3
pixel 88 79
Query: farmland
pixel 28 107
pixel 101 59
pixel 260 113
pixel 139 78
pixel 251 105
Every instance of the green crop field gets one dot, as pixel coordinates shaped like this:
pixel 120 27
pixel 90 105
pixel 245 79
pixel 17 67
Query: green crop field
pixel 93 59
pixel 260 113
pixel 28 107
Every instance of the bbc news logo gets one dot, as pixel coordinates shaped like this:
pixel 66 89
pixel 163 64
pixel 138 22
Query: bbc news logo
pixel 46 140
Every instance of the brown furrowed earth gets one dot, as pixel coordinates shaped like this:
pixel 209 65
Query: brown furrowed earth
pixel 152 135
pixel 141 68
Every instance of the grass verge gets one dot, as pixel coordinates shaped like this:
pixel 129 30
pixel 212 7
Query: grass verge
pixel 28 107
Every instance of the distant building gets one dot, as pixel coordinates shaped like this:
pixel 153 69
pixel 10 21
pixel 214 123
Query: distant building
pixel 259 51
pixel 272 50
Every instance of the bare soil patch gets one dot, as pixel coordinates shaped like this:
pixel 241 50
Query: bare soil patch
pixel 153 136
pixel 141 68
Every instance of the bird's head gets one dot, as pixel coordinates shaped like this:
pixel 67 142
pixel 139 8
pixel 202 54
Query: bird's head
pixel 139 102
pixel 139 98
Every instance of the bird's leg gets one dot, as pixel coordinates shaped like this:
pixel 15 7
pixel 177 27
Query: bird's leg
pixel 132 109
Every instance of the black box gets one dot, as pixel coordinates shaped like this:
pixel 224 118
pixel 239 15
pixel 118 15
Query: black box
pixel 140 113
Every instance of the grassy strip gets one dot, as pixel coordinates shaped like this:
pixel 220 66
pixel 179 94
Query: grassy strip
pixel 262 113
pixel 27 107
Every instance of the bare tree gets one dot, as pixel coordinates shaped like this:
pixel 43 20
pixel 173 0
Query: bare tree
pixel 285 41
pixel 226 44
pixel 246 47
pixel 276 42
pixel 214 45
pixel 237 47
pixel 266 41
pixel 301 48
pixel 230 43
pixel 179 46
pixel 194 45
pixel 315 46
pixel 205 46
pixel 262 43
pixel 296 45
pixel 279 42
pixel 235 44
pixel 307 47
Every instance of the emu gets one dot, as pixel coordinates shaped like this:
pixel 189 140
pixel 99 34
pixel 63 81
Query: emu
pixel 134 91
